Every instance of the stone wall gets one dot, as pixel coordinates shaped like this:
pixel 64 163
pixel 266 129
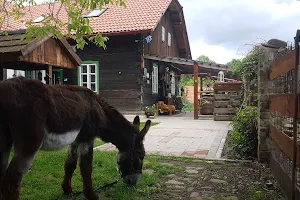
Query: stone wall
pixel 267 54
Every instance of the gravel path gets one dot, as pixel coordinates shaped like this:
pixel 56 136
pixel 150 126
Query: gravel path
pixel 217 180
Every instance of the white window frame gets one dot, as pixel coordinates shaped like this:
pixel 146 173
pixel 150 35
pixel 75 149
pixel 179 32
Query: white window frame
pixel 169 39
pixel 163 33
pixel 88 73
pixel 155 79
pixel 173 83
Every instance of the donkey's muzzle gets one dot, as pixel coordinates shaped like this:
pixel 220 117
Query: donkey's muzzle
pixel 132 179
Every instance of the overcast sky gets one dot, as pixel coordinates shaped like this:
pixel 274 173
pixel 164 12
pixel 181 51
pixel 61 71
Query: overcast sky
pixel 225 29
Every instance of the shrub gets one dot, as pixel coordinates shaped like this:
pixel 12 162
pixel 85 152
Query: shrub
pixel 150 110
pixel 243 138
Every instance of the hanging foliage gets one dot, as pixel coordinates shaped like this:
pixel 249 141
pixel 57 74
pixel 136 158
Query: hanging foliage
pixel 247 67
pixel 76 25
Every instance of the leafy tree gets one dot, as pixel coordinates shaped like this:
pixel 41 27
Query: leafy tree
pixel 204 58
pixel 236 66
pixel 189 80
pixel 76 26
pixel 246 67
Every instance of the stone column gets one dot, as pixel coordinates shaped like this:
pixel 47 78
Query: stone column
pixel 267 54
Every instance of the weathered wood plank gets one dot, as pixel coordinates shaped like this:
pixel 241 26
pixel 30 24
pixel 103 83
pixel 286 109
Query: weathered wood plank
pixel 128 94
pixel 282 104
pixel 285 143
pixel 226 97
pixel 223 117
pixel 283 65
pixel 234 103
pixel 224 110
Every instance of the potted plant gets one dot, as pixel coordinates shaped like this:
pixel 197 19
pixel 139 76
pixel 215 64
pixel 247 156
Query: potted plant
pixel 150 111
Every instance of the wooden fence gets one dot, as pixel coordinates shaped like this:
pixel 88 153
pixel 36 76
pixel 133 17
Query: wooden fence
pixel 282 103
pixel 227 100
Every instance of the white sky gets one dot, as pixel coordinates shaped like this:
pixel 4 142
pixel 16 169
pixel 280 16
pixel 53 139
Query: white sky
pixel 225 29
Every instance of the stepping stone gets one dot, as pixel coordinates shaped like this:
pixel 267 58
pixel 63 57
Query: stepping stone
pixel 174 182
pixel 190 189
pixel 175 187
pixel 218 181
pixel 171 176
pixel 191 171
pixel 230 198
pixel 168 164
pixel 194 194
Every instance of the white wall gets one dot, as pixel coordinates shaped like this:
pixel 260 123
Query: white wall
pixel 10 73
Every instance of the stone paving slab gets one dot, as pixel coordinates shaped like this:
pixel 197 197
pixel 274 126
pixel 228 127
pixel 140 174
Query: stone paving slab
pixel 183 136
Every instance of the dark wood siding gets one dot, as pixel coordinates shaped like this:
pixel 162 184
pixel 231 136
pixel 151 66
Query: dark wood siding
pixel 156 46
pixel 119 70
pixel 70 76
pixel 164 85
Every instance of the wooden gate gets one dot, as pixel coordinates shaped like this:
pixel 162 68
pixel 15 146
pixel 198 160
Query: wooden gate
pixel 284 115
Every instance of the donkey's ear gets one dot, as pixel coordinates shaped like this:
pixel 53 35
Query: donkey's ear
pixel 136 122
pixel 145 130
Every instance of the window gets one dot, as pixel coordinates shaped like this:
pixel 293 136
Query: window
pixel 173 83
pixel 221 76
pixel 163 34
pixel 88 75
pixel 169 39
pixel 155 79
pixel 96 13
pixel 39 19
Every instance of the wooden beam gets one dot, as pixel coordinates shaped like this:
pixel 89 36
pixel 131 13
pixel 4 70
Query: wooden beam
pixel 181 61
pixel 34 44
pixel 199 74
pixel 73 54
pixel 50 74
pixel 196 105
pixel 201 83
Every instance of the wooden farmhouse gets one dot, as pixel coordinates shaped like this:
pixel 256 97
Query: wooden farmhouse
pixel 147 50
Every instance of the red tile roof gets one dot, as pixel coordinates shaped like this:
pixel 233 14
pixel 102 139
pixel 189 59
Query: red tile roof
pixel 138 16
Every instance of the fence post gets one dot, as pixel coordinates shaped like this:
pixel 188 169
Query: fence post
pixel 267 54
pixel 295 119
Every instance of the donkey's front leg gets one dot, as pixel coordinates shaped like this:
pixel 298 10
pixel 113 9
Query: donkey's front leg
pixel 86 161
pixel 70 166
pixel 11 183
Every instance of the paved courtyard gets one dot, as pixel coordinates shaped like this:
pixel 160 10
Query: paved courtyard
pixel 181 135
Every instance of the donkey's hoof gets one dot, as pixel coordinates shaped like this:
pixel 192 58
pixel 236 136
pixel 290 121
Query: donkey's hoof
pixel 67 189
pixel 91 196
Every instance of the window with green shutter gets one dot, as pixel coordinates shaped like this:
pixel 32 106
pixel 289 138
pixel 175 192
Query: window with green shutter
pixel 88 75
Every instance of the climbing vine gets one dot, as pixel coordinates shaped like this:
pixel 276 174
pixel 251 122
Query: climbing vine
pixel 247 67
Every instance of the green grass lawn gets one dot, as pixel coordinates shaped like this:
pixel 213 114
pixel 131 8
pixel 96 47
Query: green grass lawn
pixel 44 179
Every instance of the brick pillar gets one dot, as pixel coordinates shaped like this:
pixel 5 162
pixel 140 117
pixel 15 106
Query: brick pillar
pixel 267 55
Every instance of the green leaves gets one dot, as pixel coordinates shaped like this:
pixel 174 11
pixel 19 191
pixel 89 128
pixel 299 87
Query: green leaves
pixel 76 27
pixel 246 67
pixel 244 134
